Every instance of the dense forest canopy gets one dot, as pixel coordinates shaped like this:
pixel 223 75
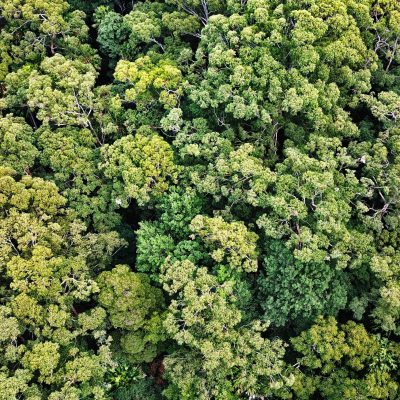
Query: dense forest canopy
pixel 199 199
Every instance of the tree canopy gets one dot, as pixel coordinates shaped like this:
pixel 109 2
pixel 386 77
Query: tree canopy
pixel 199 199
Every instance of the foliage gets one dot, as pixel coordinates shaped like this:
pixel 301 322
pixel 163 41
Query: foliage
pixel 343 362
pixel 292 291
pixel 199 199
pixel 17 149
pixel 135 307
pixel 60 98
pixel 128 382
pixel 48 265
pixel 34 29
pixel 203 317
pixel 73 158
pixel 140 167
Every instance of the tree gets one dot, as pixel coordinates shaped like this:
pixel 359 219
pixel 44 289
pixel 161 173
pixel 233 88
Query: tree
pixel 34 29
pixel 312 204
pixel 72 156
pixel 111 33
pixel 244 154
pixel 153 85
pixel 295 82
pixel 222 359
pixel 61 99
pixel 48 268
pixel 17 148
pixel 238 177
pixel 169 235
pixel 297 292
pixel 146 77
pixel 227 242
pixel 140 167
pixel 380 208
pixel 386 41
pixel 150 27
pixel 135 307
pixel 345 362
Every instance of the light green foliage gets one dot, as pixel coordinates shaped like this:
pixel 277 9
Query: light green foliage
pixel 17 149
pixel 172 121
pixel 9 325
pixel 386 40
pixel 144 27
pixel 385 107
pixel 381 180
pixel 5 59
pixel 62 91
pixel 72 155
pixel 35 28
pixel 134 306
pixel 386 267
pixel 44 358
pixel 238 176
pixel 150 82
pixel 47 266
pixel 222 359
pixel 312 202
pixel 128 297
pixel 108 114
pixel 140 167
pixel 181 23
pixel 227 242
pixel 343 362
pixel 11 387
pixel 15 90
pixel 197 145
